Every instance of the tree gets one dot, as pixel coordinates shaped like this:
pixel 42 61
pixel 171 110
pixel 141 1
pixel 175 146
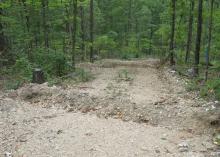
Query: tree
pixel 73 30
pixel 198 38
pixel 2 36
pixel 190 31
pixel 91 30
pixel 172 36
pixel 82 16
pixel 45 26
pixel 209 38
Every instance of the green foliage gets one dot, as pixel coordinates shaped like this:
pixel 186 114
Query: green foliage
pixel 83 75
pixel 209 89
pixel 128 53
pixel 192 86
pixel 105 45
pixel 53 63
pixel 19 73
pixel 22 70
pixel 78 76
pixel 124 75
pixel 12 84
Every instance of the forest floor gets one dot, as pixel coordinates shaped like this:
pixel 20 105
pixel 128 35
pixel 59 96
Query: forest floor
pixel 130 108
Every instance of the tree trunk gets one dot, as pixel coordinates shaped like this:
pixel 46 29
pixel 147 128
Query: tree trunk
pixel 83 52
pixel 26 15
pixel 44 4
pixel 151 40
pixel 129 22
pixel 91 30
pixel 190 30
pixel 209 39
pixel 2 36
pixel 198 38
pixel 74 28
pixel 173 24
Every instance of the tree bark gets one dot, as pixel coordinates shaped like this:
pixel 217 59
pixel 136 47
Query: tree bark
pixel 91 30
pixel 74 29
pixel 82 33
pixel 2 36
pixel 38 76
pixel 26 15
pixel 173 24
pixel 209 39
pixel 44 4
pixel 190 30
pixel 151 40
pixel 198 38
pixel 129 22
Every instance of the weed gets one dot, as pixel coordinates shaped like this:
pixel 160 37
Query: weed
pixel 124 75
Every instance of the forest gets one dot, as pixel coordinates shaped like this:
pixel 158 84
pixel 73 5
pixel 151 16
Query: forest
pixel 55 35
pixel 114 78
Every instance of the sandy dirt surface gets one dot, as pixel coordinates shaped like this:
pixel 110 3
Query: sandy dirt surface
pixel 130 108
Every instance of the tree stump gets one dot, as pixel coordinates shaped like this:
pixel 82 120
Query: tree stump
pixel 38 76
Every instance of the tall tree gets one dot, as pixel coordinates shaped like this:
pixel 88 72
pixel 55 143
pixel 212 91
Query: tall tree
pixel 73 30
pixel 173 24
pixel 190 31
pixel 209 38
pixel 91 30
pixel 82 16
pixel 198 38
pixel 44 4
pixel 2 36
pixel 26 15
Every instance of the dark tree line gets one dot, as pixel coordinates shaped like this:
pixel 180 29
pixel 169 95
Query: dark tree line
pixel 82 29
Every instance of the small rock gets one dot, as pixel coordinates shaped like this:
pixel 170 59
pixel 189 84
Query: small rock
pixel 183 147
pixel 89 134
pixel 157 151
pixel 173 71
pixel 14 123
pixel 164 137
pixel 23 140
pixel 215 154
pixel 144 148
pixel 216 102
pixel 59 132
pixel 7 154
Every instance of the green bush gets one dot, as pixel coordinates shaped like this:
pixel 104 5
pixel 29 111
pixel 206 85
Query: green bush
pixel 105 45
pixel 211 89
pixel 129 53
pixel 124 75
pixel 83 76
pixel 12 84
pixel 22 69
pixel 53 63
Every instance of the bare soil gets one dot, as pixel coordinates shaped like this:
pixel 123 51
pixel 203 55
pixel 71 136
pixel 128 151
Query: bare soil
pixel 130 108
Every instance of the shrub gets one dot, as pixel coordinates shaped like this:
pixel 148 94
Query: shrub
pixel 211 89
pixel 83 76
pixel 105 45
pixel 12 84
pixel 129 53
pixel 22 69
pixel 53 63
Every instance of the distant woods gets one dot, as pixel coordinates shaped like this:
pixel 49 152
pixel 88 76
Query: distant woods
pixel 80 30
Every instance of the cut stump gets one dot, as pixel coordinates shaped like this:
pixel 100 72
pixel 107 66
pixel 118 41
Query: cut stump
pixel 38 76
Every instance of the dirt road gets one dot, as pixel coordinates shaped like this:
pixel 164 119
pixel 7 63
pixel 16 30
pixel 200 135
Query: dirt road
pixel 129 109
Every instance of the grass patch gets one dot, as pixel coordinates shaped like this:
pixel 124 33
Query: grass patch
pixel 208 90
pixel 78 76
pixel 124 75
